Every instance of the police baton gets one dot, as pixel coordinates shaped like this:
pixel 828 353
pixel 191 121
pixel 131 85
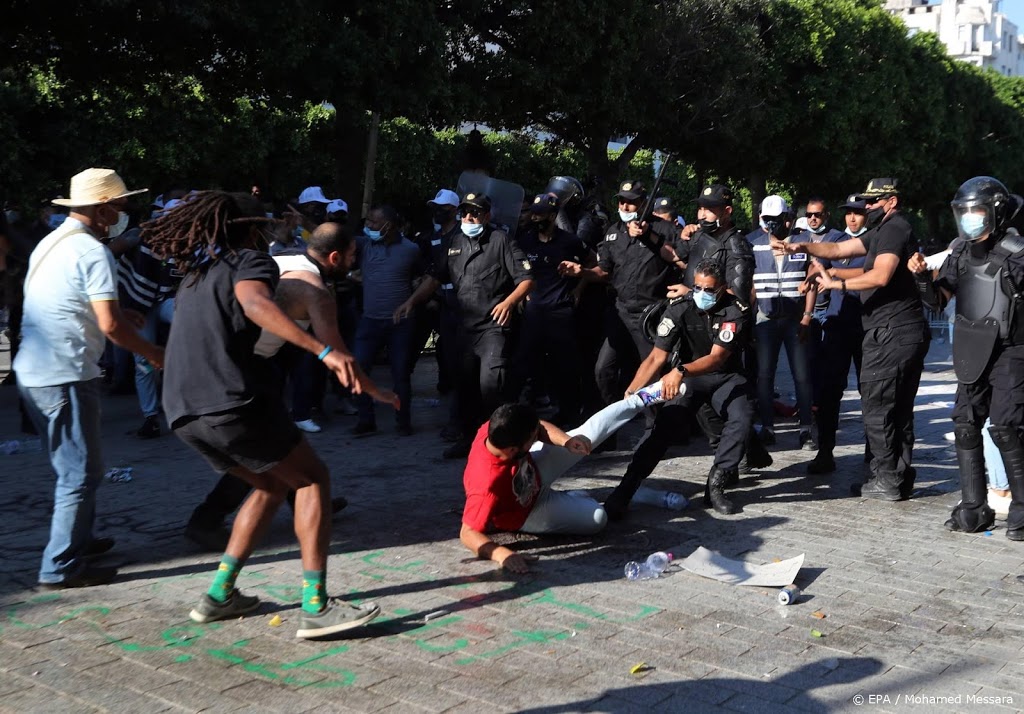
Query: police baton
pixel 645 214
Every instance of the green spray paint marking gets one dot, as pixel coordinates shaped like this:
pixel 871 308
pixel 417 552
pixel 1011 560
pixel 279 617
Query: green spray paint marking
pixel 188 635
pixel 546 597
pixel 524 638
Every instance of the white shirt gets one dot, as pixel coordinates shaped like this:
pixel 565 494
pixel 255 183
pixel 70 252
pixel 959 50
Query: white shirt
pixel 61 340
pixel 269 343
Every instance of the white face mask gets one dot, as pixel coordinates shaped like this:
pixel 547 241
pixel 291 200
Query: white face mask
pixel 861 232
pixel 118 228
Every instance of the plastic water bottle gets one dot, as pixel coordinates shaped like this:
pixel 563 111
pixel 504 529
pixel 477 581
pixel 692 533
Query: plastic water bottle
pixel 663 499
pixel 653 567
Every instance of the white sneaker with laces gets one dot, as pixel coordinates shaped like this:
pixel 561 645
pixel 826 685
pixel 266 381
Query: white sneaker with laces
pixel 309 426
pixel 652 394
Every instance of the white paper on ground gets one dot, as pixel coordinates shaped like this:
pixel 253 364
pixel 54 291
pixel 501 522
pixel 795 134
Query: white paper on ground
pixel 709 564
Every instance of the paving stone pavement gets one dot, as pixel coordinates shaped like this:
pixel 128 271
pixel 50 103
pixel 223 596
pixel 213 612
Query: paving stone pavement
pixel 914 617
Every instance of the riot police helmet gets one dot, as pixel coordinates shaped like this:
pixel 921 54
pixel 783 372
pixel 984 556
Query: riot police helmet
pixel 569 190
pixel 983 206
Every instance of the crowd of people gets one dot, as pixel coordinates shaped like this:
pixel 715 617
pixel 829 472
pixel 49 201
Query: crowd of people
pixel 245 318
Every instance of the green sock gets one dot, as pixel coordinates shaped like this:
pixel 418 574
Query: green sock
pixel 313 597
pixel 224 581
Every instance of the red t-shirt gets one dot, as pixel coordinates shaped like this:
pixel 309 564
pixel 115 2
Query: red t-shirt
pixel 499 494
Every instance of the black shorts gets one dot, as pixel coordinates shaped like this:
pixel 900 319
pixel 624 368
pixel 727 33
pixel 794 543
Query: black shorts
pixel 256 436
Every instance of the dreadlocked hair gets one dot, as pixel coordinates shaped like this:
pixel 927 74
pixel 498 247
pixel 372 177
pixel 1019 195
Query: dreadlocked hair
pixel 208 224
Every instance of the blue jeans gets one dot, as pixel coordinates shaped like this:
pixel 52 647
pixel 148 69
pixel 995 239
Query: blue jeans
pixel 771 335
pixel 371 335
pixel 68 419
pixel 146 383
pixel 994 461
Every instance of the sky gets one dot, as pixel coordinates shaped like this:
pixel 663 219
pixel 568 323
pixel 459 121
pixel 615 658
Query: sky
pixel 1014 9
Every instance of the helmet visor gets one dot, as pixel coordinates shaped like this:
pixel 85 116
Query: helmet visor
pixel 974 219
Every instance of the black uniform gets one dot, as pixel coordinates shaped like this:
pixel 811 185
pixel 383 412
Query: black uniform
pixel 988 356
pixel 437 313
pixel 687 333
pixel 483 271
pixel 639 277
pixel 547 346
pixel 730 250
pixel 896 338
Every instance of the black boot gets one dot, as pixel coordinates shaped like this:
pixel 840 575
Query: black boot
pixel 1007 438
pixel 618 501
pixel 823 462
pixel 714 492
pixel 756 456
pixel 972 514
pixel 882 488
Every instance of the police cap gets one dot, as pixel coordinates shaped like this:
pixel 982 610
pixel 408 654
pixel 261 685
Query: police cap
pixel 544 203
pixel 632 191
pixel 664 204
pixel 879 188
pixel 854 203
pixel 715 196
pixel 477 200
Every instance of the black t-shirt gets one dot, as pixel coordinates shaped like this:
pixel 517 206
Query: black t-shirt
pixel 210 365
pixel 899 302
pixel 692 333
pixel 484 271
pixel 639 275
pixel 550 289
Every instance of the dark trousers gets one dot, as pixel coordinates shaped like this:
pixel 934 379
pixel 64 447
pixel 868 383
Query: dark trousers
pixel 893 359
pixel 997 395
pixel 547 352
pixel 624 348
pixel 729 395
pixel 448 332
pixel 371 335
pixel 427 320
pixel 483 380
pixel 841 344
pixel 591 327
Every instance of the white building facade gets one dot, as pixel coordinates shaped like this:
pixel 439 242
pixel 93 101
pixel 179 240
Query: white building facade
pixel 973 31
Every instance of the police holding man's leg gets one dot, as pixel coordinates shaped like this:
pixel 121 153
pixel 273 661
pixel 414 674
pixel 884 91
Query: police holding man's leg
pixel 701 336
pixel 896 334
pixel 985 272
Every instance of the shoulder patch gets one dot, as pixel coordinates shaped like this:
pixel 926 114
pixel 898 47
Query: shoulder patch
pixel 454 251
pixel 611 236
pixel 526 265
pixel 726 335
pixel 665 326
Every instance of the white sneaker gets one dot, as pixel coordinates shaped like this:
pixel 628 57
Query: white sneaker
pixel 999 504
pixel 949 436
pixel 309 426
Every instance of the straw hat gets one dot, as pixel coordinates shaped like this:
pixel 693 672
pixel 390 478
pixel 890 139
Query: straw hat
pixel 95 186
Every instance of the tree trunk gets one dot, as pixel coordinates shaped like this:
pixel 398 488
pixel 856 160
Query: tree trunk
pixel 350 142
pixel 758 190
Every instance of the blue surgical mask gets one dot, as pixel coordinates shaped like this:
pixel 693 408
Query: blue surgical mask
pixel 627 216
pixel 819 230
pixel 372 235
pixel 55 220
pixel 472 229
pixel 437 227
pixel 973 224
pixel 705 300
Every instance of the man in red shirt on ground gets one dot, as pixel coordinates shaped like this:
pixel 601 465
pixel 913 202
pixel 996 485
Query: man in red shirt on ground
pixel 514 460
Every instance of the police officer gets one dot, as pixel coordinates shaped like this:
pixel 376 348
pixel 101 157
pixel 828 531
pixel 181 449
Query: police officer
pixel 702 336
pixel 714 236
pixel 578 213
pixel 896 334
pixel 842 336
pixel 985 271
pixel 638 261
pixel 547 349
pixel 491 276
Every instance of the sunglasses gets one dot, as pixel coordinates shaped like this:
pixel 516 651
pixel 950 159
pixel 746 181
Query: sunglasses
pixel 815 214
pixel 473 212
pixel 702 289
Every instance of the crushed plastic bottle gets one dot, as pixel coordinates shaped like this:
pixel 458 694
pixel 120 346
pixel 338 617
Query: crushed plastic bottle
pixel 653 567
pixel 663 499
pixel 119 475
pixel 29 446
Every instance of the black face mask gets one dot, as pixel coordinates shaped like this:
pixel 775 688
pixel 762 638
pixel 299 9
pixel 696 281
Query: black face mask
pixel 776 228
pixel 874 217
pixel 442 216
pixel 709 226
pixel 543 225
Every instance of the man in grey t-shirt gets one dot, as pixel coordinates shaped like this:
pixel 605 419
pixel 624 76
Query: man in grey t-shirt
pixel 388 261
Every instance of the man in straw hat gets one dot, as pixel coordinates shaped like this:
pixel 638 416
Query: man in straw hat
pixel 71 308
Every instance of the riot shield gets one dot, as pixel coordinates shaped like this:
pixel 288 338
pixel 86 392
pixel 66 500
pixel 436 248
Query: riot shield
pixel 506 198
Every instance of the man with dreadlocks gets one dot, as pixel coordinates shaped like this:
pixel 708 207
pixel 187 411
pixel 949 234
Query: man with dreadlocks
pixel 230 412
